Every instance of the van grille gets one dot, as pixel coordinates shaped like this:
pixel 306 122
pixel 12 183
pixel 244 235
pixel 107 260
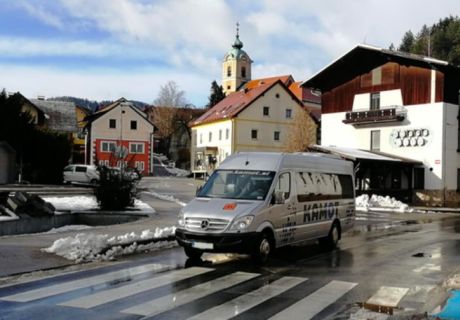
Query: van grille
pixel 206 224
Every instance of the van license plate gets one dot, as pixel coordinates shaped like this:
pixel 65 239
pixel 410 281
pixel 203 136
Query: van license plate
pixel 203 245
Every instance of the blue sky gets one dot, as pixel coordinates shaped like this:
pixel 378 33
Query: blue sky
pixel 105 49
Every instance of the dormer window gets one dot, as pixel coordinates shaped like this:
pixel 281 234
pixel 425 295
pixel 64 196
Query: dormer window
pixel 375 101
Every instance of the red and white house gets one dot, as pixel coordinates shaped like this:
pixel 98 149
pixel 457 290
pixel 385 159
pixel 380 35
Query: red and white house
pixel 120 135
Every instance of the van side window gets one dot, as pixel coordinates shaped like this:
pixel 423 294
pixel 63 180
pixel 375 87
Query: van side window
pixel 315 186
pixel 284 184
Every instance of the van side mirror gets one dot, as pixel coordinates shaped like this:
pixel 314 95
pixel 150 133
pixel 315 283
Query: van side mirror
pixel 278 197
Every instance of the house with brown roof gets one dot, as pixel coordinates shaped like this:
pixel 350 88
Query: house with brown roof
pixel 257 117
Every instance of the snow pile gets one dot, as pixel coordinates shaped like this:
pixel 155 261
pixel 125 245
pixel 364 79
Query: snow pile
pixel 452 283
pixel 178 172
pixel 89 246
pixel 83 203
pixel 380 203
pixel 71 227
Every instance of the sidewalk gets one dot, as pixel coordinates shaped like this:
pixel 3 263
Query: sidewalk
pixel 22 253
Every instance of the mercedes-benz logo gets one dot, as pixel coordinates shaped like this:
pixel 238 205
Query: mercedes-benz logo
pixel 204 224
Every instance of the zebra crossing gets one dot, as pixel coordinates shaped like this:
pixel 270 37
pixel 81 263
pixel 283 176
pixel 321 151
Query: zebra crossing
pixel 157 291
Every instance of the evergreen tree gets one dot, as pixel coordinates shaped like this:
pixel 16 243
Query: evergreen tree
pixel 440 41
pixel 407 42
pixel 217 95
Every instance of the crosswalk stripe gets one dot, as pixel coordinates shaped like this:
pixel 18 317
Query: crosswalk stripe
pixel 110 295
pixel 316 302
pixel 245 302
pixel 82 283
pixel 176 299
pixel 388 296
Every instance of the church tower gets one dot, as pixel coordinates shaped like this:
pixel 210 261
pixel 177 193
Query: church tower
pixel 236 66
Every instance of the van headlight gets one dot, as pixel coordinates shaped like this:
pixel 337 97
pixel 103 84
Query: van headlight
pixel 181 219
pixel 242 223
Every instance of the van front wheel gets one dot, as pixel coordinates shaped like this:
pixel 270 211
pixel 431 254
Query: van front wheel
pixel 192 253
pixel 263 249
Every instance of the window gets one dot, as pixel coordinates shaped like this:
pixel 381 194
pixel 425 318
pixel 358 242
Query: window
pixel 112 123
pixel 227 134
pixel 419 179
pixel 139 165
pixel 266 111
pixel 315 186
pixel 80 169
pixel 136 147
pixel 220 134
pixel 375 140
pixel 243 72
pixel 254 134
pixel 276 136
pixel 284 185
pixel 108 146
pixel 288 113
pixel 229 71
pixel 201 138
pixel 210 136
pixel 375 101
pixel 228 87
pixel 133 125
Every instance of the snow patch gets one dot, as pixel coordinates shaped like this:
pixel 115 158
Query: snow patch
pixel 381 203
pixel 83 203
pixel 453 282
pixel 166 197
pixel 88 246
pixel 72 227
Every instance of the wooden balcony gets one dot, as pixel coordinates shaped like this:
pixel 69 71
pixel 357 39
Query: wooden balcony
pixel 391 114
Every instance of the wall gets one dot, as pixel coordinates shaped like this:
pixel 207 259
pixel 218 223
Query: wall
pixel 415 84
pixel 427 116
pixel 100 131
pixel 253 118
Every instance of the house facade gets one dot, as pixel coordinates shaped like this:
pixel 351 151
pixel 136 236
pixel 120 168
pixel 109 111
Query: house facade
pixel 120 135
pixel 258 117
pixel 401 106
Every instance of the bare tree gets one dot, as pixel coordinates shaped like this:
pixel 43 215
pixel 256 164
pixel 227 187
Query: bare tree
pixel 302 132
pixel 170 96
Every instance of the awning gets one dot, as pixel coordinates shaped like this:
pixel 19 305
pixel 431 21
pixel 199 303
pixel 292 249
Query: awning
pixel 359 154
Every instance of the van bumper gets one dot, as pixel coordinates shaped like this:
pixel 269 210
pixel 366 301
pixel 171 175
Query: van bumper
pixel 223 242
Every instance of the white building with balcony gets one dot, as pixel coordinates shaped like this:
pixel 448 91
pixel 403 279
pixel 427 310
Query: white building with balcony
pixel 396 115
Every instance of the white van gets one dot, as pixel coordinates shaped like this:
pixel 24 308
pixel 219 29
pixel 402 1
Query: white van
pixel 256 202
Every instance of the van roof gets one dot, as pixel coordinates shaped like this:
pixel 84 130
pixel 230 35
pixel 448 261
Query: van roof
pixel 275 161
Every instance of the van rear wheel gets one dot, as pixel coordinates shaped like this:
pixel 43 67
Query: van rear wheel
pixel 262 249
pixel 193 253
pixel 332 239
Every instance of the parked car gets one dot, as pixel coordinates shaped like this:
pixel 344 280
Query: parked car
pixel 81 173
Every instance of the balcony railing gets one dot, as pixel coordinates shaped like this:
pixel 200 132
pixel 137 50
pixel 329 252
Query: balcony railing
pixel 387 114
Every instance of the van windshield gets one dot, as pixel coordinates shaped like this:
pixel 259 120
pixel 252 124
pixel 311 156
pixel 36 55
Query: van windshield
pixel 238 184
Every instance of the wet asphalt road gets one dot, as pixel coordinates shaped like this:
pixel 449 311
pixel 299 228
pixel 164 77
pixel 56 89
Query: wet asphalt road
pixel 398 261
pixel 403 264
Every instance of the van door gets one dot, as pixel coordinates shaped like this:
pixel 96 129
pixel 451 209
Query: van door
pixel 284 214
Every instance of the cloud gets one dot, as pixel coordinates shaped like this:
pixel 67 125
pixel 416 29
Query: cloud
pixel 190 37
pixel 41 13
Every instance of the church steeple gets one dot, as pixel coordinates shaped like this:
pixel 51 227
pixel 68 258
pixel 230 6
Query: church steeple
pixel 236 66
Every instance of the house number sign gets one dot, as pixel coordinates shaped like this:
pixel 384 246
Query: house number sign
pixel 415 137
